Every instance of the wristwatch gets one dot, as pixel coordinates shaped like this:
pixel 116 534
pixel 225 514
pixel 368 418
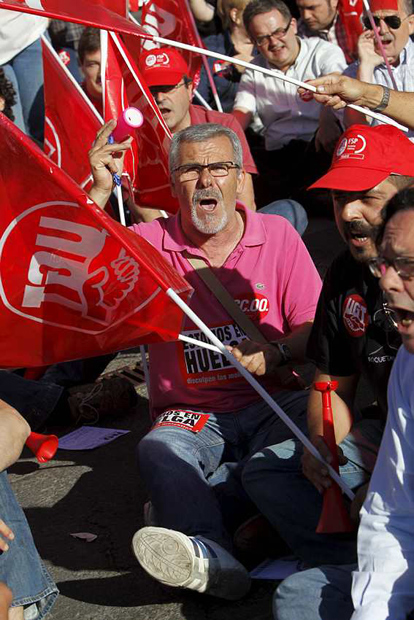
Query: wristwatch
pixel 384 101
pixel 285 353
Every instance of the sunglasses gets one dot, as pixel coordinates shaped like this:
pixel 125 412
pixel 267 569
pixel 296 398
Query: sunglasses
pixel 392 21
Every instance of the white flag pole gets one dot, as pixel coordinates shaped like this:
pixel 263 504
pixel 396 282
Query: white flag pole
pixel 256 385
pixel 278 76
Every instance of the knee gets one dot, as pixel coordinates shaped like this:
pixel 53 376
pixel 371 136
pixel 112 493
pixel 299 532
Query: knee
pixel 296 598
pixel 290 210
pixel 265 465
pixel 161 447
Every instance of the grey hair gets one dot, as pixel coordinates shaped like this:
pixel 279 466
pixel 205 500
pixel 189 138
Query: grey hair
pixel 201 133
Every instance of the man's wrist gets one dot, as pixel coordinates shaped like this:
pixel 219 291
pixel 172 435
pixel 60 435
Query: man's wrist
pixel 372 96
pixel 283 352
pixel 99 196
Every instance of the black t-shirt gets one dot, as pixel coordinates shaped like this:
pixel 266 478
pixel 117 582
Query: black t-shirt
pixel 351 333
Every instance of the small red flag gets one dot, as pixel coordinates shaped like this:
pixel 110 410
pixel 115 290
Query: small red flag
pixel 73 282
pixel 71 120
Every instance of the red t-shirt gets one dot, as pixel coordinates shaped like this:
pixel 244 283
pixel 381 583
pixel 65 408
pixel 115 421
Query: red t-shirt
pixel 200 115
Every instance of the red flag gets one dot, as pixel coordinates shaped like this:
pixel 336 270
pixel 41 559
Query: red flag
pixel 172 19
pixel 152 187
pixel 94 13
pixel 73 282
pixel 71 120
pixel 115 100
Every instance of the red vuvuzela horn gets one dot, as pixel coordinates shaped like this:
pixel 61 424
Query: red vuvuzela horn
pixel 43 446
pixel 334 516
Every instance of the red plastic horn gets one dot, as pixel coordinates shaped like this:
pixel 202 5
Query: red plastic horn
pixel 334 516
pixel 43 446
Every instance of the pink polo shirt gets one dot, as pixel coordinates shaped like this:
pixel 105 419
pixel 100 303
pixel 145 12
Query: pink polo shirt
pixel 273 279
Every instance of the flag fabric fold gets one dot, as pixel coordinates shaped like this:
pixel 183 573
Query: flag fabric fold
pixel 153 138
pixel 71 121
pixel 73 282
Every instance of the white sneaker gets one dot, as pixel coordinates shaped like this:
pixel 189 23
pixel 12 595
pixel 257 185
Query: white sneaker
pixel 183 561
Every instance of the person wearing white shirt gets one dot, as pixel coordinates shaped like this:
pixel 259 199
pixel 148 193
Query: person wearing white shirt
pixel 381 586
pixel 290 121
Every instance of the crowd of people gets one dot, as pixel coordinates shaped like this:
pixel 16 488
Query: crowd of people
pixel 218 464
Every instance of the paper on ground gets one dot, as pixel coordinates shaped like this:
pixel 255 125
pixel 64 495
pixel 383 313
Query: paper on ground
pixel 89 437
pixel 277 569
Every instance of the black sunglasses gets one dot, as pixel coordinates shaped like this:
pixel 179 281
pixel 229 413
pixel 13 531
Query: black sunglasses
pixel 392 21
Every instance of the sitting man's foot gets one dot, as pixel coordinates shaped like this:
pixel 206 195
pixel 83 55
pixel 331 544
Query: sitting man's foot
pixel 181 561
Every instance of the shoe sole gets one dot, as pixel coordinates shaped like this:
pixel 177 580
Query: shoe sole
pixel 166 555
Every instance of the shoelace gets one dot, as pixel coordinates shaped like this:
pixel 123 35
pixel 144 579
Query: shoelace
pixel 85 403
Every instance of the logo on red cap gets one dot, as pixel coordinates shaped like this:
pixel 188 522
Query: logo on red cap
pixel 352 148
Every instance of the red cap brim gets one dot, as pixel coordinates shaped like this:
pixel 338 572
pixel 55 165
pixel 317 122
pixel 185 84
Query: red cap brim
pixel 158 77
pixel 351 179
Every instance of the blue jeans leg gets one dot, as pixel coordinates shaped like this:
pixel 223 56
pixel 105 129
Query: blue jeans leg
pixel 291 210
pixel 274 481
pixel 180 468
pixel 318 594
pixel 21 567
pixel 28 69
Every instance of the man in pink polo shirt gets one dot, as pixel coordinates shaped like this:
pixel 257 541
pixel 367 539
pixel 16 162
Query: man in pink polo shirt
pixel 167 76
pixel 208 420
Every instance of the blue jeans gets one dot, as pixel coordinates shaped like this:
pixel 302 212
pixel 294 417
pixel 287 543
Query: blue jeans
pixel 291 210
pixel 274 481
pixel 183 470
pixel 318 594
pixel 25 71
pixel 21 567
pixel 34 400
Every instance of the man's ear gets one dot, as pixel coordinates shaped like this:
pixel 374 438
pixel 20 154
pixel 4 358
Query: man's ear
pixel 241 178
pixel 294 25
pixel 410 21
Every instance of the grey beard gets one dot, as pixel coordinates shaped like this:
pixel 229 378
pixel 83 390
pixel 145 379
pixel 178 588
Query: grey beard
pixel 209 224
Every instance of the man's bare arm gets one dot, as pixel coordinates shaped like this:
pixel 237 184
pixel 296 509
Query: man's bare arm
pixel 337 91
pixel 201 10
pixel 342 404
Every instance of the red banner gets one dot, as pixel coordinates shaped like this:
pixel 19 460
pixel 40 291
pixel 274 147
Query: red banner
pixel 71 121
pixel 172 19
pixel 152 188
pixel 115 101
pixel 73 282
pixel 94 13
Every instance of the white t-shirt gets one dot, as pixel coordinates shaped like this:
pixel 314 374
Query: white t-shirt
pixel 283 113
pixel 18 31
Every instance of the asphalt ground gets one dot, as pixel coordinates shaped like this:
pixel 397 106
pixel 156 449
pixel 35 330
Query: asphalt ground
pixel 99 492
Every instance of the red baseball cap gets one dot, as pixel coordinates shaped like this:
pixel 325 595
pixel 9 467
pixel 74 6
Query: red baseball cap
pixel 162 67
pixel 365 156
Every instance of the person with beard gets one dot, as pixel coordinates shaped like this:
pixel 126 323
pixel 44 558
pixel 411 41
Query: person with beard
pixel 351 339
pixel 381 582
pixel 395 22
pixel 207 418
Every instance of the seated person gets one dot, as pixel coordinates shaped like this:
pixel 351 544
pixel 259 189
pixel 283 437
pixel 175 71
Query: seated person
pixel 381 583
pixel 352 338
pixel 333 21
pixel 166 74
pixel 233 41
pixel 21 569
pixel 254 256
pixel 290 162
pixel 89 53
pixel 395 23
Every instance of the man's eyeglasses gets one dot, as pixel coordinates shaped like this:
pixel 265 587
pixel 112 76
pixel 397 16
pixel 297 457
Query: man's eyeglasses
pixel 404 267
pixel 277 34
pixel 154 90
pixel 192 172
pixel 392 21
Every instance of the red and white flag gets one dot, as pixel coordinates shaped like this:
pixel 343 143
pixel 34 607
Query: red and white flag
pixel 152 186
pixel 73 282
pixel 71 120
pixel 172 19
pixel 108 14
